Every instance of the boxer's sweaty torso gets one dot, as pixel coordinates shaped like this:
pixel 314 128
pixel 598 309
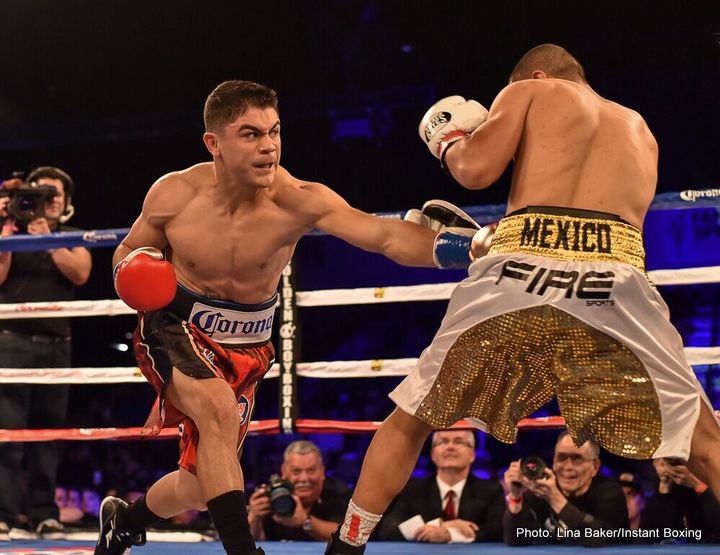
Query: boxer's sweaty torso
pixel 579 150
pixel 231 254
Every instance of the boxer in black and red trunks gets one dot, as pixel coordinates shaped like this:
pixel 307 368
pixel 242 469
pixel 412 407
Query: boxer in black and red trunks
pixel 202 264
pixel 181 335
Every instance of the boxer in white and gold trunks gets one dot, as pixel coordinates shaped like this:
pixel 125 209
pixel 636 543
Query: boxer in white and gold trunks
pixel 561 305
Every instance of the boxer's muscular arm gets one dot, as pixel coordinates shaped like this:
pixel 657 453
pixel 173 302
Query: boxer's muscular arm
pixel 404 242
pixel 479 160
pixel 160 205
pixel 143 279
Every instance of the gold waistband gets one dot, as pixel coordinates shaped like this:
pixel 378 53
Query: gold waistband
pixel 570 238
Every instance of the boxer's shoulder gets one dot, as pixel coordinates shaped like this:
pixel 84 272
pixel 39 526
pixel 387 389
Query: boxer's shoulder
pixel 192 179
pixel 172 194
pixel 299 195
pixel 179 187
pixel 286 183
pixel 307 202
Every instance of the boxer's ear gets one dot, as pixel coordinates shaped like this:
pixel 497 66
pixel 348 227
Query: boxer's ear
pixel 212 143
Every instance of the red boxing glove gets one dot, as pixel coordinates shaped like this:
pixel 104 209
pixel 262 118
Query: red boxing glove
pixel 144 280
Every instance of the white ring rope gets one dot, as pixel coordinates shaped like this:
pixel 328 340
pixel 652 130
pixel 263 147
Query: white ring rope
pixel 325 297
pixel 378 368
pixel 130 374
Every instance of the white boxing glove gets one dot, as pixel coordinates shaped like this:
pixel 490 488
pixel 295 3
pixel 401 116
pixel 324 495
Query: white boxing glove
pixel 482 240
pixel 439 214
pixel 449 120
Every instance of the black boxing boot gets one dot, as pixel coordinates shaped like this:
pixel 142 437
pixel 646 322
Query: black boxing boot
pixel 336 546
pixel 115 536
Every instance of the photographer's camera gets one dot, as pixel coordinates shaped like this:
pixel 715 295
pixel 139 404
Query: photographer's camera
pixel 280 491
pixel 27 200
pixel 533 467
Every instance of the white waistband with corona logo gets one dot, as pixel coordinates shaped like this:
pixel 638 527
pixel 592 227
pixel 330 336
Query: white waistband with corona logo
pixel 236 327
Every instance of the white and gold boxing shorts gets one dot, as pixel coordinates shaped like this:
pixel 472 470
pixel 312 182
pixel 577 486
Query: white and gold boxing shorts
pixel 561 307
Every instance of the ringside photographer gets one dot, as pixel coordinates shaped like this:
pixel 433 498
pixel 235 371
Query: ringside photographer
pixel 40 205
pixel 568 503
pixel 682 503
pixel 320 501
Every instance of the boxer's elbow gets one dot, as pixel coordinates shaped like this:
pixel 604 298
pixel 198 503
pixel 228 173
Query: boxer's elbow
pixel 477 163
pixel 475 174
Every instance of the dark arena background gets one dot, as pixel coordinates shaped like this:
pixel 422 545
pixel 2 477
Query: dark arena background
pixel 113 92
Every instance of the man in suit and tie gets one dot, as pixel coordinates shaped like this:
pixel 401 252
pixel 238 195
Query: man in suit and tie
pixel 470 505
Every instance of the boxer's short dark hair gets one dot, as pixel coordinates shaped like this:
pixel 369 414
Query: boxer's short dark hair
pixel 554 60
pixel 231 99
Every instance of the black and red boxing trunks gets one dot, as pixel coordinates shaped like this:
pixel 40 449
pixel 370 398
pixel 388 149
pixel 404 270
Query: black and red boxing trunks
pixel 205 338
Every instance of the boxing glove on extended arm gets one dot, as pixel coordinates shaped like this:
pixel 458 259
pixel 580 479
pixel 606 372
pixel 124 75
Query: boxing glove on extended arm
pixel 460 239
pixel 448 121
pixel 439 214
pixel 458 247
pixel 145 280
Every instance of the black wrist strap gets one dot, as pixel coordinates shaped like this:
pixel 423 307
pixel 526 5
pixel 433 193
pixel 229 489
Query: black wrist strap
pixel 443 165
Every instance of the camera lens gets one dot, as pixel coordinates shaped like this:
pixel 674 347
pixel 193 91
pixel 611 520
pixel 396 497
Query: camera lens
pixel 282 502
pixel 27 204
pixel 533 467
pixel 280 494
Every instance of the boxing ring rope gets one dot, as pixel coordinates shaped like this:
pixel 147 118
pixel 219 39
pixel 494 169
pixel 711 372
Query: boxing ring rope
pixel 688 198
pixel 323 369
pixel 329 297
pixel 257 427
pixel 326 297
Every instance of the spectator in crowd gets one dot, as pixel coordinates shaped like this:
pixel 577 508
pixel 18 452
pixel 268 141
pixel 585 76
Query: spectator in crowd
pixel 567 501
pixel 68 505
pixel 682 503
pixel 634 498
pixel 49 275
pixel 78 508
pixel 470 507
pixel 320 501
pixel 90 505
pixel 60 496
